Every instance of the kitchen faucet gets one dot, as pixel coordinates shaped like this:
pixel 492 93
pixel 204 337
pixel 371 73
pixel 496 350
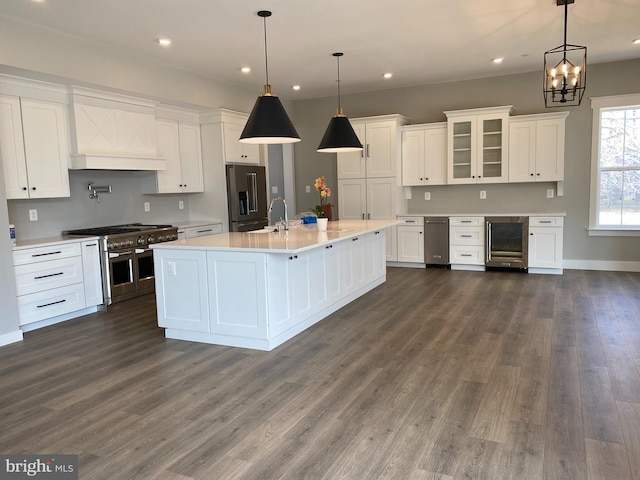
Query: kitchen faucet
pixel 286 215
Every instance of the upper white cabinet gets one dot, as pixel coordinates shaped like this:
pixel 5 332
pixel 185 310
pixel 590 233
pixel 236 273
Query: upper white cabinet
pixel 178 133
pixel 34 145
pixel 226 126
pixel 379 157
pixel 536 147
pixel 477 146
pixel 424 154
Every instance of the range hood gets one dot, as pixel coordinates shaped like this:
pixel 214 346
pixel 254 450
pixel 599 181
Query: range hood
pixel 84 161
pixel 111 131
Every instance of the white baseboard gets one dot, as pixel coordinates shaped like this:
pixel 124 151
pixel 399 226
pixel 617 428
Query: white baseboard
pixel 11 337
pixel 606 265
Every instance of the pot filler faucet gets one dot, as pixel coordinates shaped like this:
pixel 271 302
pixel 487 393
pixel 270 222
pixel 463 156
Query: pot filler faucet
pixel 286 215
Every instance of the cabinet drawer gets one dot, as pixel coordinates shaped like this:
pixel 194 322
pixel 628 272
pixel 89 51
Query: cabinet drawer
pixel 51 303
pixel 50 252
pixel 546 221
pixel 36 277
pixel 466 221
pixel 466 236
pixel 411 221
pixel 202 230
pixel 466 255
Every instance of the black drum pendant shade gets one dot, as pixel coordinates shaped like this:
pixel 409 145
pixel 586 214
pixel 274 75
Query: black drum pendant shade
pixel 268 122
pixel 339 136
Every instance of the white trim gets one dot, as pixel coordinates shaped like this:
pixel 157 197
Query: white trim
pixel 614 101
pixel 606 265
pixel 612 232
pixel 11 337
pixel 406 265
pixel 60 318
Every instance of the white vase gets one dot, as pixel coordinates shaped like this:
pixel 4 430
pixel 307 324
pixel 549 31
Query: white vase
pixel 322 224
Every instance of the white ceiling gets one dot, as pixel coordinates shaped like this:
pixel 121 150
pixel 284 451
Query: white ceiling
pixel 420 41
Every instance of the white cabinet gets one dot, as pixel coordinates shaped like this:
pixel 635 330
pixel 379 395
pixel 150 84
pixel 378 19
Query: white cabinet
pixel 178 139
pixel 92 273
pixel 424 154
pixel 234 151
pixel 411 240
pixel 536 147
pixel 466 243
pixel 199 231
pixel 367 199
pixel 545 244
pixel 477 146
pixel 57 279
pixel 34 145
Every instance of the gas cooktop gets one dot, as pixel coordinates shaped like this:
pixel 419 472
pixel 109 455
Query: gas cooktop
pixel 115 229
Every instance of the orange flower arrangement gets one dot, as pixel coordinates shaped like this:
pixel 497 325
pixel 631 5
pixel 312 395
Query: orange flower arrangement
pixel 325 193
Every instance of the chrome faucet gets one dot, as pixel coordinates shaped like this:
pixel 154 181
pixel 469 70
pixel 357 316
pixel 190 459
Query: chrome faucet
pixel 286 215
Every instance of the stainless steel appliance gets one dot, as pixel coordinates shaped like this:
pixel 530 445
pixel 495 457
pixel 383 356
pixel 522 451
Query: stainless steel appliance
pixel 247 197
pixel 126 259
pixel 436 240
pixel 507 243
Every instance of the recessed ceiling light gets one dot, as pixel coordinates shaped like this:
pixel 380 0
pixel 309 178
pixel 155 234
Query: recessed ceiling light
pixel 636 41
pixel 296 87
pixel 387 75
pixel 497 60
pixel 163 41
pixel 245 69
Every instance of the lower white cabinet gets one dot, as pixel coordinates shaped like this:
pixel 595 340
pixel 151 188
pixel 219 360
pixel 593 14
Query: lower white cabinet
pixel 199 231
pixel 545 244
pixel 259 300
pixel 57 279
pixel 466 243
pixel 410 236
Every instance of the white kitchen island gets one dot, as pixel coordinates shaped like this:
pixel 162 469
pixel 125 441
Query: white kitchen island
pixel 258 290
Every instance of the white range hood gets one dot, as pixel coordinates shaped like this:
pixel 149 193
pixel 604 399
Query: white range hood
pixel 112 132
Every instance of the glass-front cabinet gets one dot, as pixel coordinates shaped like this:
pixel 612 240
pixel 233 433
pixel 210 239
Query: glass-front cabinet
pixel 477 148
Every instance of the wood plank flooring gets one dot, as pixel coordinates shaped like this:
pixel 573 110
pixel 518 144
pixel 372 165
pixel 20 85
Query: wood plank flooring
pixel 434 375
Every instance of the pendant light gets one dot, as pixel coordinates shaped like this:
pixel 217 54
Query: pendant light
pixel 565 70
pixel 339 136
pixel 268 121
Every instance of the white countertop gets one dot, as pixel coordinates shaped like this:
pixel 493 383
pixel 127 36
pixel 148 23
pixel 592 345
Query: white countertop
pixel 484 214
pixel 56 240
pixel 299 238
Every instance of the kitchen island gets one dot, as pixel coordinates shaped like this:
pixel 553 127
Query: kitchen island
pixel 259 289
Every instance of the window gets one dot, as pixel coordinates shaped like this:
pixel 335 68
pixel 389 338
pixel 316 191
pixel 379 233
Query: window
pixel 615 166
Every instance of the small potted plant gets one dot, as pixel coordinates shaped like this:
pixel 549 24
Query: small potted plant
pixel 322 211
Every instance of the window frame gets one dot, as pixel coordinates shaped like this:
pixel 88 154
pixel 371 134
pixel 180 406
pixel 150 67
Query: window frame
pixel 597 105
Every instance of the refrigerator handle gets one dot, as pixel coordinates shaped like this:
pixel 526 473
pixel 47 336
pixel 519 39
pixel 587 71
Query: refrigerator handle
pixel 252 186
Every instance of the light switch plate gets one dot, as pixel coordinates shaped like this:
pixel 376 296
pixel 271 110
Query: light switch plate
pixel 274 189
pixel 307 189
pixel 550 193
pixel 483 194
pixel 33 215
pixel 180 205
pixel 427 195
pixel 147 207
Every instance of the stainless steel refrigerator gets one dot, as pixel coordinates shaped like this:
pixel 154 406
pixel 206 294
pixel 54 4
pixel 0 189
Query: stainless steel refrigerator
pixel 247 197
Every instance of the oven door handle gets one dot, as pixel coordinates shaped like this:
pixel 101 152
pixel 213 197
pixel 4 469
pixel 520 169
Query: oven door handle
pixel 116 255
pixel 488 241
pixel 142 250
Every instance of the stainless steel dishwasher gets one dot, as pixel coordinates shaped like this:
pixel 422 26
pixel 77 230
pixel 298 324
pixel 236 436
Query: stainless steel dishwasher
pixel 436 241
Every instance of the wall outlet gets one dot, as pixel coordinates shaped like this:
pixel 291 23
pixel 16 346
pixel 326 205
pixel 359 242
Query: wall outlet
pixel 33 215
pixel 307 189
pixel 483 194
pixel 180 205
pixel 427 195
pixel 171 268
pixel 274 189
pixel 550 193
pixel 147 207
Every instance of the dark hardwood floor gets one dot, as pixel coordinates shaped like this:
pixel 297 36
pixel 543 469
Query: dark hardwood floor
pixel 433 375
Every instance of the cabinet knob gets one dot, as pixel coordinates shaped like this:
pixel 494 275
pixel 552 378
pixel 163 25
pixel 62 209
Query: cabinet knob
pixel 531 174
pixel 24 188
pixel 33 188
pixel 427 178
pixel 538 174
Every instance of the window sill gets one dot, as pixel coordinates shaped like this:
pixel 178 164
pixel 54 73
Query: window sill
pixel 613 232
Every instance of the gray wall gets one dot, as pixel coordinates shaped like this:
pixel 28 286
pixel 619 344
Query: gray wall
pixel 424 104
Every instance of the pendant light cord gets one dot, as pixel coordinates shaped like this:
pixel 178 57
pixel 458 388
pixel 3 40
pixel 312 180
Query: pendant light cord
pixel 339 105
pixel 266 61
pixel 566 12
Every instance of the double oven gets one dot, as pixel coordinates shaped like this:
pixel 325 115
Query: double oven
pixel 127 258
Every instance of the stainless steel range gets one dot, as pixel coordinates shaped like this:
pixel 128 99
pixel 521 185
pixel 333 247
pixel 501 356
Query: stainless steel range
pixel 126 259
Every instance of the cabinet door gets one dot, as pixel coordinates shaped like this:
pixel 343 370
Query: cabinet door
pixel 191 158
pixel 169 180
pixel 381 149
pixel 352 196
pixel 375 253
pixel 92 273
pixel 545 247
pixel 358 261
pixel 413 156
pixel 381 196
pixel 236 152
pixel 46 145
pixel 410 244
pixel 492 155
pixel 12 148
pixel 550 150
pixel 182 291
pixel 352 164
pixel 461 149
pixel 522 151
pixel 435 156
